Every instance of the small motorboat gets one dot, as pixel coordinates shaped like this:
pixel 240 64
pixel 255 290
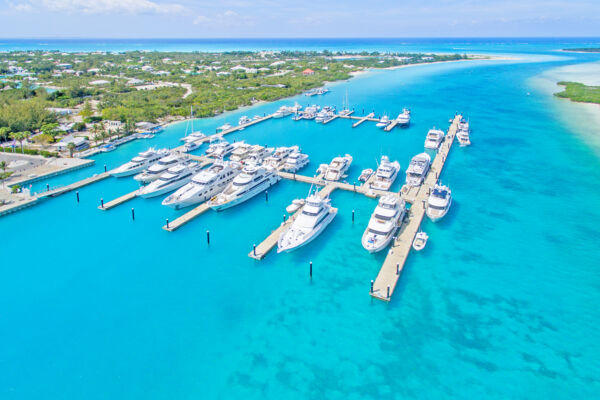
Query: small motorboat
pixel 295 206
pixel 108 147
pixel 420 241
pixel 365 175
pixel 322 169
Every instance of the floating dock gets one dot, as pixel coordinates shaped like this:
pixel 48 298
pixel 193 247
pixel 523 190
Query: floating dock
pixel 392 125
pixel 185 218
pixel 385 283
pixel 119 200
pixel 368 117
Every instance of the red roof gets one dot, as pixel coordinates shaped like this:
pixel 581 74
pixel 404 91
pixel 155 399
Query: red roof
pixel 308 71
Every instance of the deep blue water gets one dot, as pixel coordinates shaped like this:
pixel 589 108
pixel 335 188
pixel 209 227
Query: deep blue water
pixel 501 304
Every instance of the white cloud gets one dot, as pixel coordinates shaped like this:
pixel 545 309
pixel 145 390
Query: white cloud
pixel 224 19
pixel 100 6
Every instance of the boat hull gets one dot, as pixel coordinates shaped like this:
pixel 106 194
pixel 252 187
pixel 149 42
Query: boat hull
pixel 255 191
pixel 317 232
pixel 129 172
pixel 163 190
pixel 381 245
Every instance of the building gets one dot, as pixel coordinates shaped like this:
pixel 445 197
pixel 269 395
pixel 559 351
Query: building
pixel 79 142
pixel 112 125
pixel 308 72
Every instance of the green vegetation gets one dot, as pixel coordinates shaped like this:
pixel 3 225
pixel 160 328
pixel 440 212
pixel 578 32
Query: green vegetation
pixel 580 92
pixel 31 152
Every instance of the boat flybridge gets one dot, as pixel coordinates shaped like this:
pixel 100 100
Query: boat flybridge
pixel 384 223
pixel 219 149
pixel 204 185
pixel 439 202
pixel 174 178
pixel 154 171
pixel 193 137
pixel 383 122
pixel 139 162
pixel 284 111
pixel 240 152
pixel 337 168
pixel 244 120
pixel 250 182
pixel 434 138
pixel 404 118
pixel 295 162
pixel 463 134
pixel 225 127
pixel 258 153
pixel 386 174
pixel 279 156
pixel 314 217
pixel 418 168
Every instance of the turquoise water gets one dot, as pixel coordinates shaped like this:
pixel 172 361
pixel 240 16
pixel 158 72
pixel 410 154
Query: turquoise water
pixel 501 304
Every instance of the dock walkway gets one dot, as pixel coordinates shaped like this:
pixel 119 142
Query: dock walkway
pixel 187 217
pixel 119 200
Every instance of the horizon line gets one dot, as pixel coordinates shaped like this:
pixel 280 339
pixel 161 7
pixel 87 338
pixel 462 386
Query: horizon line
pixel 294 37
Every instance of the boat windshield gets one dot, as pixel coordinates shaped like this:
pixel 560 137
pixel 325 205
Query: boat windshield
pixel 376 232
pixel 384 217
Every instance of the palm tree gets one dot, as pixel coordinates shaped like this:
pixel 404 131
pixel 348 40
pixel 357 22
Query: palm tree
pixel 20 137
pixel 71 147
pixel 96 131
pixel 3 165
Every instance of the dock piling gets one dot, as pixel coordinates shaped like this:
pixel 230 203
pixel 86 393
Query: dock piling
pixel 352 216
pixel 102 203
pixel 47 187
pixel 388 291
pixel 254 250
pixel 167 223
pixel 104 167
pixel 397 269
pixel 77 193
pixel 311 270
pixel 372 282
pixel 266 195
pixel 208 237
pixel 132 214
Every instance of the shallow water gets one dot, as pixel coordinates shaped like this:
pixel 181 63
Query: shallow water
pixel 501 304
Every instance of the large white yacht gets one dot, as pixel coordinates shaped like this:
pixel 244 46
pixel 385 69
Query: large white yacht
pixel 384 222
pixel 434 139
pixel 314 217
pixel 337 168
pixel 174 178
pixel 383 122
pixel 295 162
pixel 240 152
pixel 404 118
pixel 283 111
pixel 463 134
pixel 278 157
pixel 250 182
pixel 386 174
pixel 204 185
pixel 154 171
pixel 192 137
pixel 258 153
pixel 439 202
pixel 226 126
pixel 219 149
pixel 139 162
pixel 418 168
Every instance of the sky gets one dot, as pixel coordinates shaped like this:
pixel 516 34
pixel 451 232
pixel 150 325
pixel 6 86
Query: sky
pixel 303 19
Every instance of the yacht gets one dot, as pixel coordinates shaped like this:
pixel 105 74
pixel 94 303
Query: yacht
pixel 174 178
pixel 418 168
pixel 463 138
pixel 439 202
pixel 434 139
pixel 191 146
pixel 225 127
pixel 219 149
pixel 463 125
pixel 192 137
pixel 298 117
pixel 256 117
pixel 244 120
pixel 241 151
pixel 383 122
pixel 365 175
pixel 295 162
pixel 404 118
pixel 337 168
pixel 258 153
pixel 108 147
pixel 204 185
pixel 154 171
pixel 314 217
pixel 276 159
pixel 386 174
pixel 283 111
pixel 250 182
pixel 139 162
pixel 384 222
pixel 420 241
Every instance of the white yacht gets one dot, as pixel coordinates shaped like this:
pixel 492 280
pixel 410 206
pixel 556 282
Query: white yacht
pixel 295 162
pixel 384 222
pixel 191 146
pixel 219 149
pixel 404 118
pixel 278 157
pixel 383 122
pixel 463 138
pixel 225 127
pixel 250 182
pixel 174 178
pixel 434 139
pixel 154 171
pixel 314 217
pixel 337 168
pixel 365 175
pixel 418 168
pixel 204 185
pixel 420 241
pixel 240 152
pixel 439 202
pixel 258 153
pixel 244 120
pixel 386 174
pixel 193 137
pixel 139 162
pixel 283 111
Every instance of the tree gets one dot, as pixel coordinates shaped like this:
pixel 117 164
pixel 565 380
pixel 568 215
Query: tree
pixel 3 165
pixel 87 111
pixel 51 129
pixel 19 137
pixel 96 130
pixel 71 147
pixel 4 133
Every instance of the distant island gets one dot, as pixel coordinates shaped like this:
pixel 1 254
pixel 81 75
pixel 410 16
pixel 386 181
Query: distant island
pixel 584 50
pixel 579 92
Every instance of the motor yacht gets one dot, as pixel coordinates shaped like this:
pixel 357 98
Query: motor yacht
pixel 463 138
pixel 314 217
pixel 295 161
pixel 224 127
pixel 219 149
pixel 279 156
pixel 192 137
pixel 154 171
pixel 173 179
pixel 240 152
pixel 383 122
pixel 283 111
pixel 418 168
pixel 434 138
pixel 365 175
pixel 338 167
pixel 250 182
pixel 404 118
pixel 191 146
pixel 257 154
pixel 386 174
pixel 244 120
pixel 139 162
pixel 384 223
pixel 439 202
pixel 204 185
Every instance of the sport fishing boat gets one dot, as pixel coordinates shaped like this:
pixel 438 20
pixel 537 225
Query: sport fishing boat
pixel 173 179
pixel 244 120
pixel 383 122
pixel 295 162
pixel 386 174
pixel 420 241
pixel 404 118
pixel 384 223
pixel 154 171
pixel 418 168
pixel 434 139
pixel 250 182
pixel 439 202
pixel 337 168
pixel 316 214
pixel 139 162
pixel 279 156
pixel 204 185
pixel 463 138
pixel 240 152
pixel 219 149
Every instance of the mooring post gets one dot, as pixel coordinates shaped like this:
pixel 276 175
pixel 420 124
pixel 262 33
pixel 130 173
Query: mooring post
pixel 102 203
pixel 132 214
pixel 47 187
pixel 167 223
pixel 372 285
pixel 388 292
pixel 207 237
pixel 77 193
pixel 267 195
pixel 352 216
pixel 254 250
pixel 104 167
pixel 311 269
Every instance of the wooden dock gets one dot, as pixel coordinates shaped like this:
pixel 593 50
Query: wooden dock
pixel 385 283
pixel 392 125
pixel 187 217
pixel 73 186
pixel 368 117
pixel 119 200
